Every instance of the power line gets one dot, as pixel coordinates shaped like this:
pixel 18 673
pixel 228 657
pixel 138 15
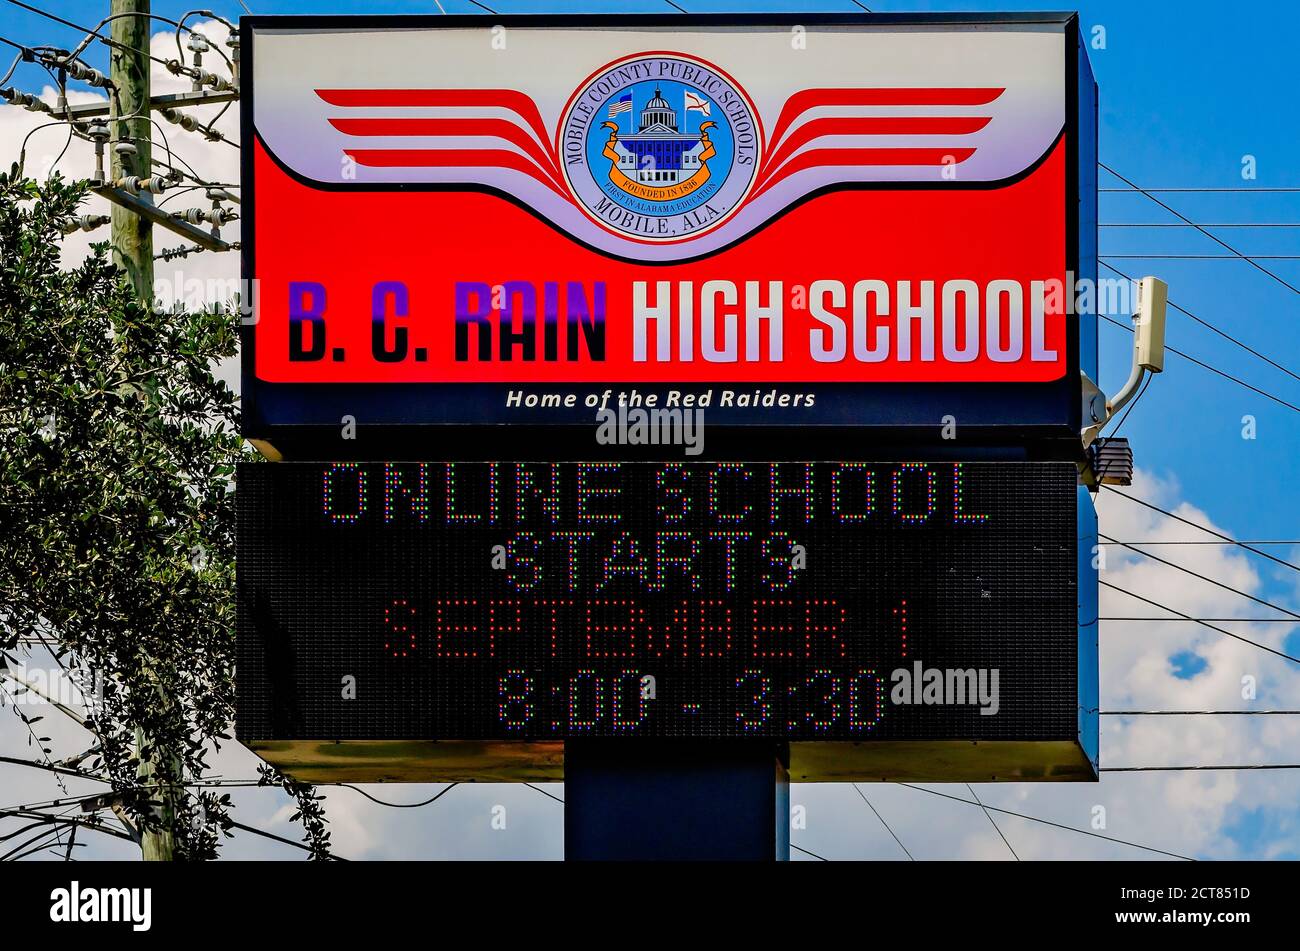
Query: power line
pixel 971 790
pixel 181 25
pixel 1241 620
pixel 61 818
pixel 22 149
pixel 807 852
pixel 1179 224
pixel 1205 528
pixel 401 805
pixel 1198 713
pixel 1221 333
pixel 14 65
pixel 882 821
pixel 48 804
pixel 1212 369
pixel 152 16
pixel 103 39
pixel 25 53
pixel 674 6
pixel 1206 257
pixel 1245 640
pixel 59 158
pixel 1145 541
pixel 278 838
pixel 1048 822
pixel 1217 240
pixel 1218 584
pixel 25 849
pixel 544 793
pixel 56 824
pixel 1244 188
pixel 1114 433
pixel 223 784
pixel 1189 769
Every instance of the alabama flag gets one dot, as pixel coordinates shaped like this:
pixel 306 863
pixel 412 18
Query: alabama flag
pixel 696 103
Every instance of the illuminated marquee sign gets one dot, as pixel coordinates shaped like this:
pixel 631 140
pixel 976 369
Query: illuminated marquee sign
pixel 536 601
pixel 861 222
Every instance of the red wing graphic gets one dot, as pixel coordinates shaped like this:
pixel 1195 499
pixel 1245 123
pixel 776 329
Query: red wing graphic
pixel 787 153
pixel 784 157
pixel 525 130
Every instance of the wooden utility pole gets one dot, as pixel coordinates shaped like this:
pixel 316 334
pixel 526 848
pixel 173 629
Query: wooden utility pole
pixel 132 242
pixel 132 234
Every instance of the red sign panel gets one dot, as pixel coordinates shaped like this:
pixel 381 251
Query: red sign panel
pixel 842 212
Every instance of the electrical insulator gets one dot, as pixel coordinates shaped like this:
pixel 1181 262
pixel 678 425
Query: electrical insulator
pixel 214 216
pixel 26 100
pixel 205 78
pixel 182 119
pixel 97 132
pixel 232 41
pixel 198 44
pixel 86 223
pixel 134 184
pixel 86 74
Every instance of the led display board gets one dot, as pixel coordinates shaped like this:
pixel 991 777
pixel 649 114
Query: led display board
pixel 521 604
pixel 839 222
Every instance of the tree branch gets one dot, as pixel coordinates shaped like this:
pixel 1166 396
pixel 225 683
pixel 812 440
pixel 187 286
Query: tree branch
pixel 66 711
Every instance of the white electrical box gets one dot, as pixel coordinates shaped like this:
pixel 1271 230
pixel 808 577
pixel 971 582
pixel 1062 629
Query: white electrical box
pixel 1152 297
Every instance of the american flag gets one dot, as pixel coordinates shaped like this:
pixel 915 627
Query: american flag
pixel 620 105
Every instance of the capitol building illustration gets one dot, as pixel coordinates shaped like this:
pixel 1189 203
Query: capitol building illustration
pixel 657 154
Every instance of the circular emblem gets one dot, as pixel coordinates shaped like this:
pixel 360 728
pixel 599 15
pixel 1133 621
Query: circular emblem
pixel 660 147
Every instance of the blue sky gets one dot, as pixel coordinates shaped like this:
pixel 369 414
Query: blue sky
pixel 1188 91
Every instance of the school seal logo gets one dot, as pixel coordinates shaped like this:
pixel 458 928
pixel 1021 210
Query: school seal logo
pixel 660 147
pixel 658 156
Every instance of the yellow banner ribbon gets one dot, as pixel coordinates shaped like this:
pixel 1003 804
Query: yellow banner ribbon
pixel 662 192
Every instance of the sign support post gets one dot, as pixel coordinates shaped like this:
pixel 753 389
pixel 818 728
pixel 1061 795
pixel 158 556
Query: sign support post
pixel 675 801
